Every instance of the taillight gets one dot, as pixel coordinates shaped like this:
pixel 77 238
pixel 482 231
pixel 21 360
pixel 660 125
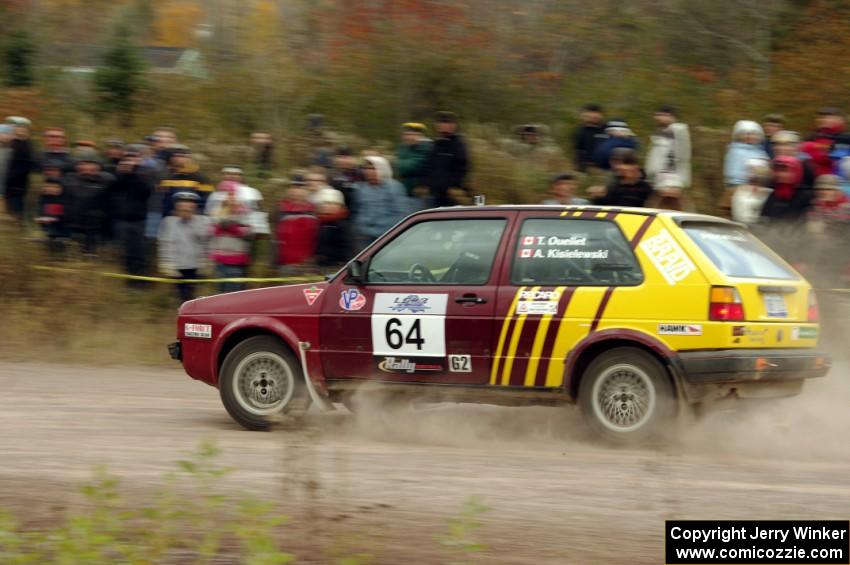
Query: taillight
pixel 814 312
pixel 725 305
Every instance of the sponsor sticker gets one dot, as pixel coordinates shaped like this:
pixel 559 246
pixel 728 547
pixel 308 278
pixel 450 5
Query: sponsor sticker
pixel 668 257
pixel 460 363
pixel 679 329
pixel 402 365
pixel 537 307
pixel 197 330
pixel 540 295
pixel 804 333
pixel 419 304
pixel 312 294
pixel 351 299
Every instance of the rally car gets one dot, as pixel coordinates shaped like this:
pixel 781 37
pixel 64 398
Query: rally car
pixel 633 314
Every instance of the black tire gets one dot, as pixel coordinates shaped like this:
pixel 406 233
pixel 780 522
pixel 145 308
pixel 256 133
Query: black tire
pixel 260 383
pixel 639 402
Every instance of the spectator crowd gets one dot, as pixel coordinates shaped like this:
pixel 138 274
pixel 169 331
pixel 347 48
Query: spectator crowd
pixel 151 201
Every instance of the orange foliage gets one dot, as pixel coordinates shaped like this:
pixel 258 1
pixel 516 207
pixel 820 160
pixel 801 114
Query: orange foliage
pixel 176 22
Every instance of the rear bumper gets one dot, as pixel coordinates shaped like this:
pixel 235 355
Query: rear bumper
pixel 175 350
pixel 727 366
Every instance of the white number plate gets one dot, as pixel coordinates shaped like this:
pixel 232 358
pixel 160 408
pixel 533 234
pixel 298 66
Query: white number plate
pixel 775 305
pixel 460 363
pixel 423 336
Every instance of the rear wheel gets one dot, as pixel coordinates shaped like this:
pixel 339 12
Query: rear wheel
pixel 626 396
pixel 260 382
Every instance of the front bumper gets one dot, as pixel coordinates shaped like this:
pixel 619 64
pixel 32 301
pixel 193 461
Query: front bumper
pixel 729 366
pixel 175 350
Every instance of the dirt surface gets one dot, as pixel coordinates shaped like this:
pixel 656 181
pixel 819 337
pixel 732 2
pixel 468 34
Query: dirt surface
pixel 388 485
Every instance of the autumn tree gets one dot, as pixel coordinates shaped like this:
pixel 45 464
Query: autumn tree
pixel 120 76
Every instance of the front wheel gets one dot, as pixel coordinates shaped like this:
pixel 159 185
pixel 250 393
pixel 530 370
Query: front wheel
pixel 261 381
pixel 626 396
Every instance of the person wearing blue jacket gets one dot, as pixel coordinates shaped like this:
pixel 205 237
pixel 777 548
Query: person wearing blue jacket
pixel 618 135
pixel 378 202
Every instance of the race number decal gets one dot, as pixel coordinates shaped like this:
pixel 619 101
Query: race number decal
pixel 412 325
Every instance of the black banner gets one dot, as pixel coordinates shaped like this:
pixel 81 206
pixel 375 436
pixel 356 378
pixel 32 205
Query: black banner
pixel 759 542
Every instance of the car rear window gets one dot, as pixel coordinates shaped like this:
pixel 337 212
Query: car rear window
pixel 737 252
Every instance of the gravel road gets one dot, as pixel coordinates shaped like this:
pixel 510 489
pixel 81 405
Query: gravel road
pixel 389 484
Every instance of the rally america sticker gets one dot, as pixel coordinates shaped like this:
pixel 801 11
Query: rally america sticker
pixel 668 257
pixel 312 294
pixel 679 329
pixel 351 299
pixel 197 330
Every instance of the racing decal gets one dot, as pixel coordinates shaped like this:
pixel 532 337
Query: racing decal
pixel 601 310
pixel 460 363
pixel 529 376
pixel 312 294
pixel 679 329
pixel 407 303
pixel 668 257
pixel 351 299
pixel 507 324
pixel 538 303
pixel 510 353
pixel 803 332
pixel 557 247
pixel 197 330
pixel 409 324
pixel 402 365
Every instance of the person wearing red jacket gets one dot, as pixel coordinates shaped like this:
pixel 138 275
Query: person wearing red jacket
pixel 789 199
pixel 230 245
pixel 297 228
pixel 829 126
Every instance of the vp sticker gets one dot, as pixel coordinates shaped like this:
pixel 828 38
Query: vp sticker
pixel 351 299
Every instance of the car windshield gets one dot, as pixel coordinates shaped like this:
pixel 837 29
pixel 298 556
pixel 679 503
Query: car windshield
pixel 737 252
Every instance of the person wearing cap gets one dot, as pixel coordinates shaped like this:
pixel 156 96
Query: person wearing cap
pixel 829 127
pixel 588 135
pixel 231 238
pixel 619 135
pixel 448 163
pixel 669 152
pixel 129 196
pixel 182 239
pixel 411 162
pixel 771 124
pixel 562 191
pixel 184 176
pixel 747 137
pixel 87 200
pixel 22 161
pixel 56 149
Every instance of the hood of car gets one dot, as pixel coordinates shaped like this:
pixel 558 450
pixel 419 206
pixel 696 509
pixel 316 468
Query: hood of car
pixel 294 299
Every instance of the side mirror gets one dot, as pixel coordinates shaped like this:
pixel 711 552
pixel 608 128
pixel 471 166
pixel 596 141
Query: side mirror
pixel 355 271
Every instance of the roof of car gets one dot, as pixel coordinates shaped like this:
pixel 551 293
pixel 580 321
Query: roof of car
pixel 579 208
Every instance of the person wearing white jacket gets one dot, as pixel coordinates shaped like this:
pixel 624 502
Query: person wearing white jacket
pixel 669 149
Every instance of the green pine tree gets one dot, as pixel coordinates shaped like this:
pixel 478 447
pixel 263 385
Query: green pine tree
pixel 19 59
pixel 120 76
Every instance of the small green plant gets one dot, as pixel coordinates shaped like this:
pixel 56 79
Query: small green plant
pixel 463 529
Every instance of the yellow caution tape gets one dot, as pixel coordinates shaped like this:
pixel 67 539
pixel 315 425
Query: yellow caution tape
pixel 168 280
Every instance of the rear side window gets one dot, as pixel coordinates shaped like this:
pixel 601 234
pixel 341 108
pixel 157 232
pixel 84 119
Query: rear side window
pixel 738 253
pixel 562 251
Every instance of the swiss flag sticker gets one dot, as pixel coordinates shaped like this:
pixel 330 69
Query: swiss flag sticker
pixel 525 253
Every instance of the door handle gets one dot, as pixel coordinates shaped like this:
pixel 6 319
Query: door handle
pixel 470 299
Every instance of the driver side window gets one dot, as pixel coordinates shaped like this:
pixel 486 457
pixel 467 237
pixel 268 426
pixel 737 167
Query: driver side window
pixel 439 252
